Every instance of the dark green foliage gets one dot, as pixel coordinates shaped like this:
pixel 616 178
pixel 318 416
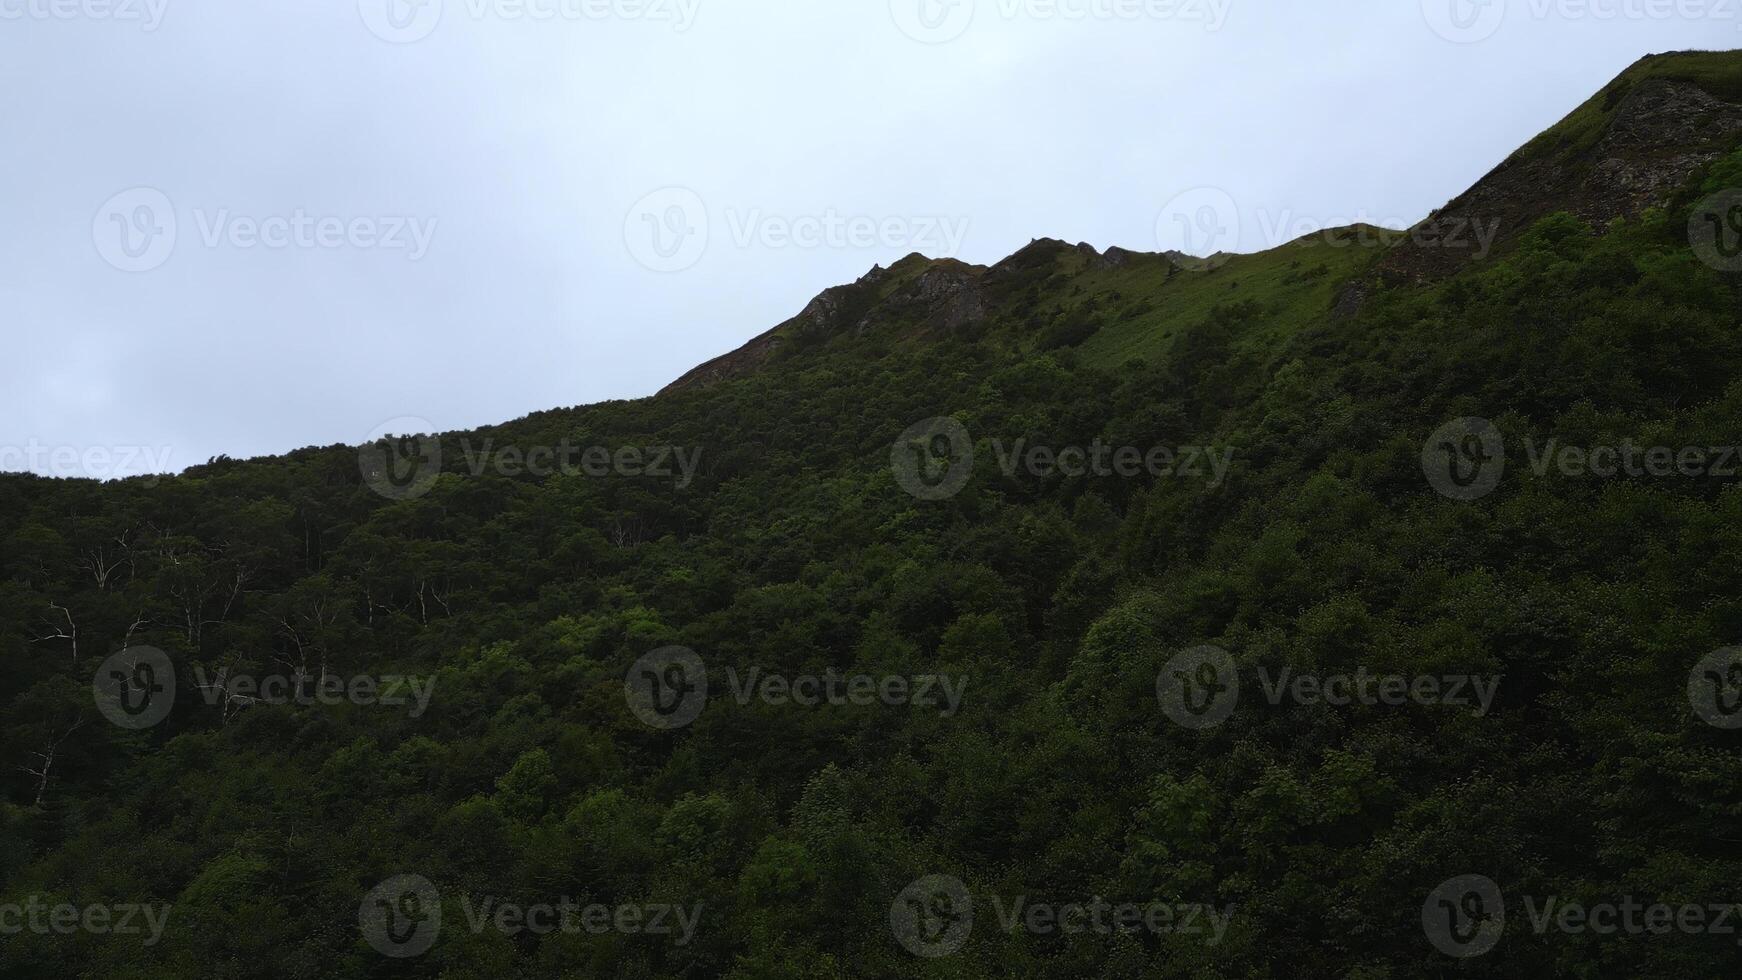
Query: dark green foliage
pixel 1059 597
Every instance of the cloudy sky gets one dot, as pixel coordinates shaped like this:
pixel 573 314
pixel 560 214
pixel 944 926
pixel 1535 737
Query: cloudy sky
pixel 243 228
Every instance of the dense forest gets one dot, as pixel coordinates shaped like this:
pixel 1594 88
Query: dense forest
pixel 947 679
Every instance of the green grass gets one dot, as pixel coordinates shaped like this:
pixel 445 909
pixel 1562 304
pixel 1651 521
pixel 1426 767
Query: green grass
pixel 1293 284
pixel 1717 72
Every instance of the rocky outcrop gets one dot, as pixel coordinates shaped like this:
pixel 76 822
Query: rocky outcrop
pixel 1117 258
pixel 947 297
pixel 1658 132
pixel 827 314
pixel 916 297
pixel 942 296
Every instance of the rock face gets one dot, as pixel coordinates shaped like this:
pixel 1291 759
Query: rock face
pixel 916 297
pixel 1658 132
pixel 942 295
pixel 821 317
pixel 1115 258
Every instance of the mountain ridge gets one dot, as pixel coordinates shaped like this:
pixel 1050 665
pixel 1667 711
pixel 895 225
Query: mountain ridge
pixel 1625 149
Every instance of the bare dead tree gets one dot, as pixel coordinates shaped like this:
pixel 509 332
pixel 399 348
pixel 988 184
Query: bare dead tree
pixel 139 622
pixel 102 561
pixel 625 533
pixel 230 703
pixel 240 574
pixel 47 756
pixel 70 631
pixel 306 628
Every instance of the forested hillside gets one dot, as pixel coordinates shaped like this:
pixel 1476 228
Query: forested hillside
pixel 1020 662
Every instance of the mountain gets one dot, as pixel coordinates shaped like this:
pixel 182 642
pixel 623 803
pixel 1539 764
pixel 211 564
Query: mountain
pixel 1086 614
pixel 1629 148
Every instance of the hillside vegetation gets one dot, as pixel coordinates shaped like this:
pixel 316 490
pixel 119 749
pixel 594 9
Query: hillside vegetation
pixel 796 548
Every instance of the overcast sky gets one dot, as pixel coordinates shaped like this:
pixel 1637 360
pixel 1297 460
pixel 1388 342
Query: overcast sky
pixel 244 228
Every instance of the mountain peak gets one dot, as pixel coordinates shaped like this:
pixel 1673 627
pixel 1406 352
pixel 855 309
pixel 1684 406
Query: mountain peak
pixel 917 294
pixel 1625 150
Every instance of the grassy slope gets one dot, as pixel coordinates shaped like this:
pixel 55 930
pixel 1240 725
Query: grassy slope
pixel 1293 284
pixel 1718 72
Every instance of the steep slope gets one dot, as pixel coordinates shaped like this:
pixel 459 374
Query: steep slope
pixel 1051 295
pixel 1626 149
pixel 1558 636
